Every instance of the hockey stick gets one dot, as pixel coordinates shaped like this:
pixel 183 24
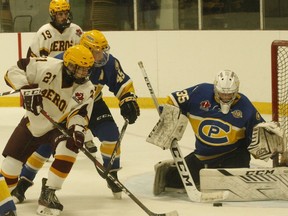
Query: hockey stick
pixel 193 193
pixel 101 170
pixel 9 92
pixel 117 145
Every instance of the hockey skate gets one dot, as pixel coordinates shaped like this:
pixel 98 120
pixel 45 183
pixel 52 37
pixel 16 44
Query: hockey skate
pixel 117 192
pixel 161 169
pixel 18 193
pixel 91 147
pixel 48 201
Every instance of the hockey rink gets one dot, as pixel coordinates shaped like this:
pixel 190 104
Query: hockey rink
pixel 85 193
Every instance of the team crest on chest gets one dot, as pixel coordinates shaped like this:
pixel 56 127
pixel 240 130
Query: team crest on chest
pixel 205 105
pixel 79 32
pixel 78 97
pixel 237 114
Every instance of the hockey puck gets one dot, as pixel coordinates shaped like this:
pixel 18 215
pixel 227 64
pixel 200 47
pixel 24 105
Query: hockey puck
pixel 217 204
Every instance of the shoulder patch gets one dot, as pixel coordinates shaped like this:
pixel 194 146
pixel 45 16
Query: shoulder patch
pixel 205 105
pixel 258 117
pixel 237 114
pixel 79 32
pixel 78 97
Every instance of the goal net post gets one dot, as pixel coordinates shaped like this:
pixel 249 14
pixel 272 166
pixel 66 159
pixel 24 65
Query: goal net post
pixel 279 77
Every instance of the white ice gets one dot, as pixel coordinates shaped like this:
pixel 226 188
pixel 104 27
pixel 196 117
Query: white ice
pixel 85 193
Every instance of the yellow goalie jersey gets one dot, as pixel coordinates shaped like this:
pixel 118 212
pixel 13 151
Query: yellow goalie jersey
pixel 60 102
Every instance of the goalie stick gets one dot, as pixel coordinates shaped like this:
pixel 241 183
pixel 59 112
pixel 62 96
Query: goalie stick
pixel 193 193
pixel 9 92
pixel 114 153
pixel 101 170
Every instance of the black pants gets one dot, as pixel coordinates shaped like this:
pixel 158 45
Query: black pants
pixel 239 158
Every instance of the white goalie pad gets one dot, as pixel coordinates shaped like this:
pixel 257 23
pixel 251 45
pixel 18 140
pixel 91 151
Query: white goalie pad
pixel 246 184
pixel 267 139
pixel 171 125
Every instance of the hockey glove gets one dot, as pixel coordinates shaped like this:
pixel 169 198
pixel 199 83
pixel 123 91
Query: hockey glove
pixel 129 107
pixel 76 141
pixel 31 98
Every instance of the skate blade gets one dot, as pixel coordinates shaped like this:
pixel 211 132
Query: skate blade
pixel 117 195
pixel 16 200
pixel 43 210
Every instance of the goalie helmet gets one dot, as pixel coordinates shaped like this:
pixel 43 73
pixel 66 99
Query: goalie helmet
pixel 57 6
pixel 97 43
pixel 226 87
pixel 77 61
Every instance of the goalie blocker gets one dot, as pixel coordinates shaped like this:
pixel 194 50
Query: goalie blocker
pixel 171 125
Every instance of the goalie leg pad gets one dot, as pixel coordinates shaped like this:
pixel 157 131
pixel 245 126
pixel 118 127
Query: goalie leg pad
pixel 171 125
pixel 247 184
pixel 161 169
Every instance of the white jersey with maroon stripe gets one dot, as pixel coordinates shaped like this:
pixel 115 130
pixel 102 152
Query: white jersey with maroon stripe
pixel 59 102
pixel 48 41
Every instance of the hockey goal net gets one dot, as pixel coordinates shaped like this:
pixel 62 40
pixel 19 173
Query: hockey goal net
pixel 279 63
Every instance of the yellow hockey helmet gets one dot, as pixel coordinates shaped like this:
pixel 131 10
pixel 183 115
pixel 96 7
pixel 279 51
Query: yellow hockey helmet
pixel 97 43
pixel 94 40
pixel 57 6
pixel 78 55
pixel 77 61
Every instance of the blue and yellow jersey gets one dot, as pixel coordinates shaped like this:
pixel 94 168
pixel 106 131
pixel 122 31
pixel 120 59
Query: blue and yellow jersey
pixel 112 75
pixel 216 133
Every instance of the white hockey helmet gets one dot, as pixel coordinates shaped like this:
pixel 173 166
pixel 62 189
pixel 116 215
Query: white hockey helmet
pixel 226 87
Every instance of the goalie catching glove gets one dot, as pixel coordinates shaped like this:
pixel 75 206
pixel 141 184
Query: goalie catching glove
pixel 171 125
pixel 267 139
pixel 129 107
pixel 31 98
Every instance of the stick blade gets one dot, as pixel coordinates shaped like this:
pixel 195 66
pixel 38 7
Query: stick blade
pixel 173 213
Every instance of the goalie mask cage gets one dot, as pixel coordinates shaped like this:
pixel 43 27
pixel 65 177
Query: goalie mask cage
pixel 279 73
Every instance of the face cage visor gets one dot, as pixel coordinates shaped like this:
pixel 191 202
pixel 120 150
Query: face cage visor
pixel 80 74
pixel 101 56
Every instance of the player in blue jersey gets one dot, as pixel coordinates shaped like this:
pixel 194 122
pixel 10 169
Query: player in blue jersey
pixel 107 71
pixel 222 120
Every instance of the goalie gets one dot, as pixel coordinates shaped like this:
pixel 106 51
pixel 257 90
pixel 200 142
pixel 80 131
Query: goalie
pixel 222 120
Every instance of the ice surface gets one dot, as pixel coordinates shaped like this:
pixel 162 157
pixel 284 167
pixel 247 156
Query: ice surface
pixel 85 193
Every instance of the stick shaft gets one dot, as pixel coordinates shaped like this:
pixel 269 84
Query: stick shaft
pixel 117 146
pixel 9 92
pixel 148 83
pixel 101 169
